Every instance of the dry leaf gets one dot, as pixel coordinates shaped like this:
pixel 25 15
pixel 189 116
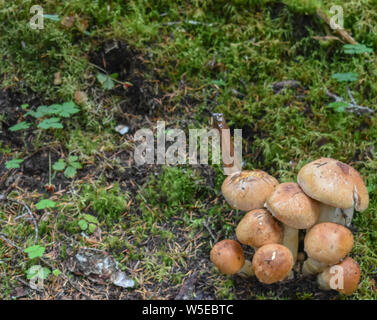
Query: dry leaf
pixel 68 21
pixel 81 97
pixel 57 78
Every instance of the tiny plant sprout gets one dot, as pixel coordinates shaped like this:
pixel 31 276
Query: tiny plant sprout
pixel 272 263
pixel 338 186
pixel 290 205
pixel 228 257
pixel 258 228
pixel 343 277
pixel 248 190
pixel 326 244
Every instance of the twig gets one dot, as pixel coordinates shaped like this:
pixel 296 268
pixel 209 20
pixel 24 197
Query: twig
pixel 209 230
pixel 10 242
pixel 20 202
pixel 352 106
pixel 341 32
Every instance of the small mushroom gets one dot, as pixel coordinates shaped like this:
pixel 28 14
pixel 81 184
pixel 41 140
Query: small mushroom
pixel 326 244
pixel 258 228
pixel 272 263
pixel 291 206
pixel 228 256
pixel 344 278
pixel 248 190
pixel 338 186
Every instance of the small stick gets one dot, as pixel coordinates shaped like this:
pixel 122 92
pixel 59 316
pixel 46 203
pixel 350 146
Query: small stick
pixel 341 32
pixel 352 107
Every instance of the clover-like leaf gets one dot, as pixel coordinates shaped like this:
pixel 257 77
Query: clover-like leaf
pixel 343 77
pixel 356 49
pixel 67 109
pixel 106 81
pixel 83 225
pixel 13 164
pixel 90 218
pixel 20 126
pixel 59 165
pixel 338 106
pixel 56 272
pixel 50 123
pixel 36 251
pixel 70 172
pixel 39 113
pixel 45 203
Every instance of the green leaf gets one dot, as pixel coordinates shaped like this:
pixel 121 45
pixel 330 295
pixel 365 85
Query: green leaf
pixel 59 165
pixel 356 49
pixel 37 271
pixel 72 158
pixel 24 106
pixel 13 164
pixel 106 82
pixel 92 227
pixel 39 113
pixel 76 165
pixel 50 123
pixel 343 77
pixel 20 126
pixel 45 203
pixel 83 225
pixel 56 272
pixel 220 82
pixel 70 172
pixel 67 109
pixel 36 251
pixel 338 106
pixel 90 218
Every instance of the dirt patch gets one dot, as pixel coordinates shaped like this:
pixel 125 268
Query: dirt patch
pixel 143 95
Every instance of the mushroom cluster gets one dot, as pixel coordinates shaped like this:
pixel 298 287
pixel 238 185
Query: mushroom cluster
pixel 321 204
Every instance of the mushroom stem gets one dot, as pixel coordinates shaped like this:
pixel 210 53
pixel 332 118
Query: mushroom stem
pixel 290 240
pixel 348 215
pixel 247 270
pixel 312 266
pixel 322 282
pixel 335 215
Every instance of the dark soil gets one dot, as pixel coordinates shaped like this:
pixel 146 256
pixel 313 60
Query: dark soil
pixel 142 97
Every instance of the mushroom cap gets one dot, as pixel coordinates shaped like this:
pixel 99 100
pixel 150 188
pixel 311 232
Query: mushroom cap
pixel 272 262
pixel 351 275
pixel 258 228
pixel 328 242
pixel 227 256
pixel 247 190
pixel 334 183
pixel 290 205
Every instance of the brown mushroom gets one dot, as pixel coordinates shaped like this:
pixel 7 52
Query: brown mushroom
pixel 272 263
pixel 326 244
pixel 248 190
pixel 290 205
pixel 343 277
pixel 258 228
pixel 228 256
pixel 338 186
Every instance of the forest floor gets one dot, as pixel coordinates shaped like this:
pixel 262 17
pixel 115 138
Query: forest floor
pixel 69 184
